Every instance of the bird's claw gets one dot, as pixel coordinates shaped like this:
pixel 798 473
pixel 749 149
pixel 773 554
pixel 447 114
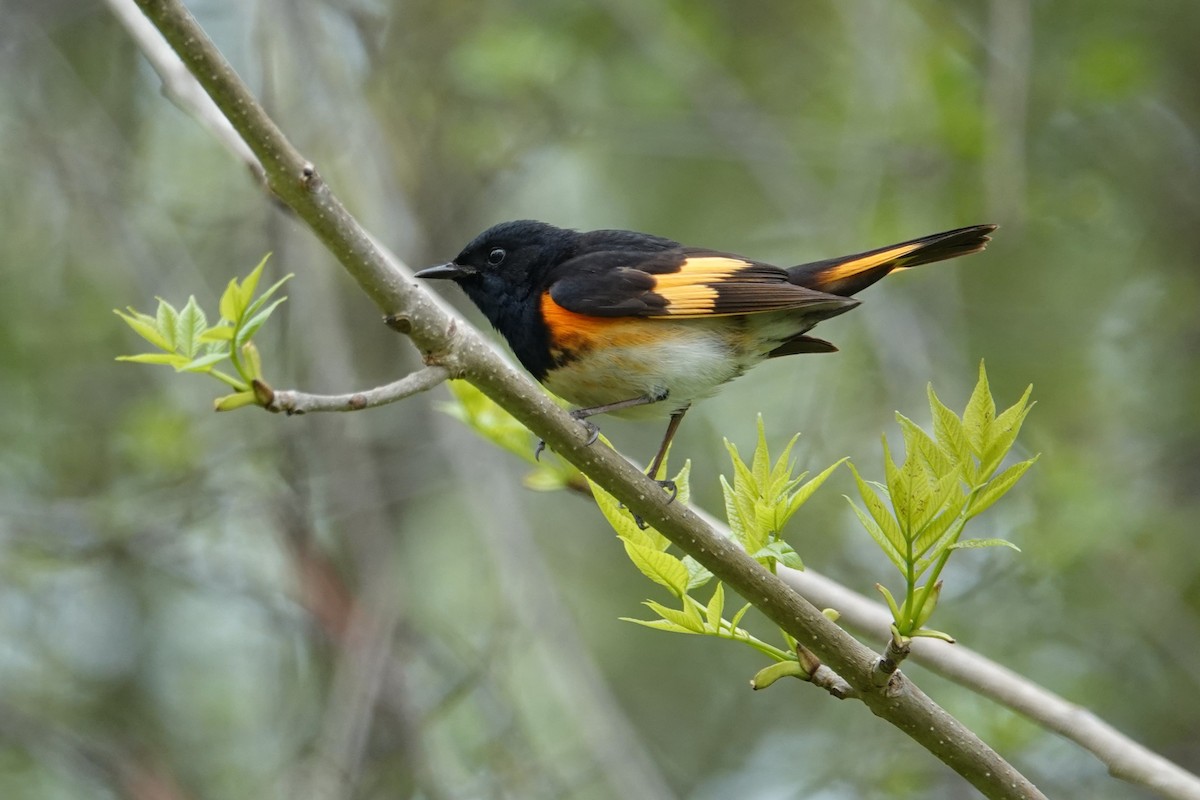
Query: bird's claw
pixel 593 433
pixel 670 488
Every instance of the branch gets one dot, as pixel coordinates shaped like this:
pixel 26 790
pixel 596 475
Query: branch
pixel 292 402
pixel 462 352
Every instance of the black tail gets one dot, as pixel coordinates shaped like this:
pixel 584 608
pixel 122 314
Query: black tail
pixel 850 274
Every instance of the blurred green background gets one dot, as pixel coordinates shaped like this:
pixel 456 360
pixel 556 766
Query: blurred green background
pixel 370 605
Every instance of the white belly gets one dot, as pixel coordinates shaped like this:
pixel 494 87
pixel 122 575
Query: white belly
pixel 687 361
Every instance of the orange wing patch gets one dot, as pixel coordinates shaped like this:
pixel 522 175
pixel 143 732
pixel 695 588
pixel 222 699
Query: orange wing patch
pixel 691 291
pixel 868 262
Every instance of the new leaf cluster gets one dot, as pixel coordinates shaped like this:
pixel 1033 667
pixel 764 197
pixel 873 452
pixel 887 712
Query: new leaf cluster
pixel 759 502
pixel 918 514
pixel 189 344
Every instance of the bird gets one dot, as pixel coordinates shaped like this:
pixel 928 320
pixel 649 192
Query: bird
pixel 641 327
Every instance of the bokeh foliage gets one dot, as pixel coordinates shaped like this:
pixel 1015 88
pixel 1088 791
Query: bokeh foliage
pixel 178 587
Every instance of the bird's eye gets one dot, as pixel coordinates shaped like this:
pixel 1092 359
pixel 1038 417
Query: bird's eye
pixel 496 257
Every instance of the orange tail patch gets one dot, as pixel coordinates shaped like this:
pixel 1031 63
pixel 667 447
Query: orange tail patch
pixel 850 274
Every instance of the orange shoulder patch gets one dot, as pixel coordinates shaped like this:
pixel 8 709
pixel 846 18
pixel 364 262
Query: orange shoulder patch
pixel 572 334
pixel 569 329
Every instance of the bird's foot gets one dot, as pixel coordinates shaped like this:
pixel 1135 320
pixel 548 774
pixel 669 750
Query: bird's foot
pixel 593 433
pixel 671 489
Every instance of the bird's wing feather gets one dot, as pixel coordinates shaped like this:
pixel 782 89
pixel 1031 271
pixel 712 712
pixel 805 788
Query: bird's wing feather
pixel 680 284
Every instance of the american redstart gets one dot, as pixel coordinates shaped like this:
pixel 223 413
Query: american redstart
pixel 641 326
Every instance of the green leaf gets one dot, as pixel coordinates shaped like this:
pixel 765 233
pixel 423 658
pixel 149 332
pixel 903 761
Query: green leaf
pixel 249 287
pixel 780 551
pixel 685 619
pixel 189 327
pixel 249 328
pixel 251 362
pixel 948 428
pixel 971 544
pixel 254 307
pixel 742 477
pixel 231 302
pixel 737 618
pixel 928 605
pixel 761 515
pixel 780 474
pixel 899 490
pixel 780 669
pixel 932 534
pixel 698 574
pixel 945 637
pixel 201 364
pixel 166 321
pixel 801 495
pixel 789 641
pixel 171 359
pixel 683 484
pixel 889 549
pixel 998 486
pixel 716 607
pixel 879 512
pixel 622 522
pixel 736 526
pixel 891 601
pixel 487 418
pixel 545 479
pixel 919 444
pixel 146 318
pixel 1004 432
pixel 761 468
pixel 217 334
pixel 233 401
pixel 1013 415
pixel 146 327
pixel 939 546
pixel 979 414
pixel 660 625
pixel 662 568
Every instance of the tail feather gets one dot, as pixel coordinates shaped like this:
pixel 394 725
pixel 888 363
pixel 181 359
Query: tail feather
pixel 850 274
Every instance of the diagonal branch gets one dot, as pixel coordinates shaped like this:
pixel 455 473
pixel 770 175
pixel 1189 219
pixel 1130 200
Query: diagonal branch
pixel 462 352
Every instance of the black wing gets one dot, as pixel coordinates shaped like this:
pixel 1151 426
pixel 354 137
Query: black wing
pixel 680 283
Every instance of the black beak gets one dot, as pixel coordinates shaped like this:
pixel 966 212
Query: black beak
pixel 448 271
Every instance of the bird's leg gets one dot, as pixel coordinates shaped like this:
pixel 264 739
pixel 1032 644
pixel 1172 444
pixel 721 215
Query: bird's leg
pixel 659 457
pixel 593 432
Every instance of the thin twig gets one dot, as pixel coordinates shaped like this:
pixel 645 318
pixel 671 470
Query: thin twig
pixel 290 401
pixel 181 87
pixel 898 649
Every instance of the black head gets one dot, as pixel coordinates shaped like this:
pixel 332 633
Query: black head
pixel 504 271
pixel 507 259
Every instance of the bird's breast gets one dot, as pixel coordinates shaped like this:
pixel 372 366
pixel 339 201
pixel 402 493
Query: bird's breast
pixel 601 360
